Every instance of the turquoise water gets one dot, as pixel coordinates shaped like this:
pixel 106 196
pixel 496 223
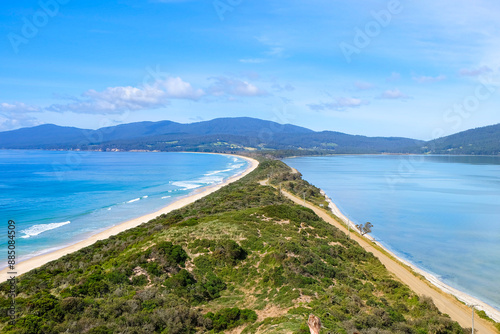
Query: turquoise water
pixel 58 198
pixel 440 213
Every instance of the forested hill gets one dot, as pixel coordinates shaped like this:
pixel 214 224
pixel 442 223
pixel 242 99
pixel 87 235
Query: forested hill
pixel 242 258
pixel 218 135
pixel 480 141
pixel 242 134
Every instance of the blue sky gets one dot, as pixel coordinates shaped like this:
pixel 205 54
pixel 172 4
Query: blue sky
pixel 380 68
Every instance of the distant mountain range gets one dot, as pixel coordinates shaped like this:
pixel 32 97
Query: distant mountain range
pixel 240 134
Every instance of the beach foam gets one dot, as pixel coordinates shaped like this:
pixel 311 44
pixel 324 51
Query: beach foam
pixel 186 185
pixel 218 172
pixel 38 229
pixel 197 183
pixel 236 166
pixel 134 200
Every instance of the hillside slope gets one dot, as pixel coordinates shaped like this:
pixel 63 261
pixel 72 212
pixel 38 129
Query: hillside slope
pixel 242 257
pixel 480 141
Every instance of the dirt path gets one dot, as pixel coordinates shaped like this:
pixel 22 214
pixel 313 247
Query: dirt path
pixel 446 303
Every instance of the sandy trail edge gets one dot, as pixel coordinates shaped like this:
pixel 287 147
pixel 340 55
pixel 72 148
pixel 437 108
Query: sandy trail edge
pixel 445 302
pixel 38 261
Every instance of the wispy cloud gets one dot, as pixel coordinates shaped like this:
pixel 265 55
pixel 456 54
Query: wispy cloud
pixel 475 72
pixel 393 94
pixel 275 49
pixel 253 61
pixel 281 88
pixel 340 104
pixel 429 79
pixel 17 107
pixel 393 77
pixel 362 85
pixel 226 86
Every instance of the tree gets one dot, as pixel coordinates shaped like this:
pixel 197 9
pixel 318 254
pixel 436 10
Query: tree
pixel 367 228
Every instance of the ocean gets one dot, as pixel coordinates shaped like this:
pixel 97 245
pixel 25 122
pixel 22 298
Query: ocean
pixel 58 198
pixel 440 213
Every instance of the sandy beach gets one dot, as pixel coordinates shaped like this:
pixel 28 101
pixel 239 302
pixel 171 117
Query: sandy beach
pixel 37 261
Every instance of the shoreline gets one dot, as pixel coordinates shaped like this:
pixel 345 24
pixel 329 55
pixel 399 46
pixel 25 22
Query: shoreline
pixel 460 295
pixel 40 260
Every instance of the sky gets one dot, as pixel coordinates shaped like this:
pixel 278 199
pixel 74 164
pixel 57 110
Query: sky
pixel 420 69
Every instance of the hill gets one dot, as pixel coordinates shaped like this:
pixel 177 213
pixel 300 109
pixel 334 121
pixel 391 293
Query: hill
pixel 479 141
pixel 242 134
pixel 242 258
pixel 218 135
pixel 53 136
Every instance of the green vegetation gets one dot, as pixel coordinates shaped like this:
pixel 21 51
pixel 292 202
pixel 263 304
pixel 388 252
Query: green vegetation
pixel 243 257
pixel 229 318
pixel 483 315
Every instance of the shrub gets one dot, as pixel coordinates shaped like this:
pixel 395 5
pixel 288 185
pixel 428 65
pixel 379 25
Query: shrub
pixel 180 280
pixel 173 254
pixel 30 324
pixel 139 280
pixel 43 303
pixel 100 330
pixel 229 252
pixel 230 318
pixel 72 304
pixel 115 277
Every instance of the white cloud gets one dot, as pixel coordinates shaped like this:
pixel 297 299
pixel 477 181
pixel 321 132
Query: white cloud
pixel 12 122
pixel 340 104
pixel 429 79
pixel 13 116
pixel 176 88
pixel 393 94
pixel 234 87
pixel 120 99
pixel 17 107
pixel 475 72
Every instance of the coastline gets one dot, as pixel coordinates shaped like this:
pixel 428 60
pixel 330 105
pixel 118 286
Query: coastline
pixel 461 296
pixel 40 260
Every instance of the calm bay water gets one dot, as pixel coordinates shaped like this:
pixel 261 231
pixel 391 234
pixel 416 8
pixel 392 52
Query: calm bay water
pixel 58 198
pixel 440 213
